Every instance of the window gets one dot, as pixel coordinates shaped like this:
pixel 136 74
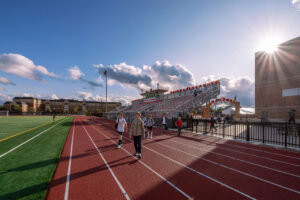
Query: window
pixel 291 92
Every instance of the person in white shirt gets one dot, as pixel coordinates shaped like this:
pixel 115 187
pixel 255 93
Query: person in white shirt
pixel 150 123
pixel 122 127
pixel 144 118
pixel 164 121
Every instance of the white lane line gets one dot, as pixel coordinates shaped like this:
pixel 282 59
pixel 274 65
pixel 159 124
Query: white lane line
pixel 241 160
pixel 258 150
pixel 107 165
pixel 160 176
pixel 16 147
pixel 232 169
pixel 249 154
pixel 70 163
pixel 278 154
pixel 204 175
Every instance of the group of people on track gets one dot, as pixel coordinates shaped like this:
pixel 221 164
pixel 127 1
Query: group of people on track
pixel 140 127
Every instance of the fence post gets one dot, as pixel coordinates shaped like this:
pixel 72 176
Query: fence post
pixel 248 133
pixel 197 122
pixel 205 126
pixel 263 133
pixel 234 130
pixel 193 126
pixel 285 135
pixel 223 129
pixel 298 135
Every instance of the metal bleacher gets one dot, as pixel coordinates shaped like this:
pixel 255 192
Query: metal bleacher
pixel 173 103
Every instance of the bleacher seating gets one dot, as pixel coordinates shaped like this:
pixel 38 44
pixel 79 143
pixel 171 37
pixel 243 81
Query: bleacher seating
pixel 175 102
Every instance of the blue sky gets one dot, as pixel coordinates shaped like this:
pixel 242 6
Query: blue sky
pixel 202 40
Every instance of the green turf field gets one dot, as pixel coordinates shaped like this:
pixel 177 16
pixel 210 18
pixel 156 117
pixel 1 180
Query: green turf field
pixel 12 125
pixel 26 171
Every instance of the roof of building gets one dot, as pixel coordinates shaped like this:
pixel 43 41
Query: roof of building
pixel 68 100
pixel 156 90
pixel 25 98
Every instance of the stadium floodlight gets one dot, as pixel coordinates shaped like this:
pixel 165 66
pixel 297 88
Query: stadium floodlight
pixel 105 74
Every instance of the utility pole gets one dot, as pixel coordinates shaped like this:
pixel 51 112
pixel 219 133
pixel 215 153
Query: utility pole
pixel 105 74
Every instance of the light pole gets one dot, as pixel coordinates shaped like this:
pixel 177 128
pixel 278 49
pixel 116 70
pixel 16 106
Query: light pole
pixel 105 74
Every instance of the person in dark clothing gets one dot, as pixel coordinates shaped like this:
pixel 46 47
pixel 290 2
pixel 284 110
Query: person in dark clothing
pixel 137 130
pixel 53 116
pixel 292 117
pixel 212 124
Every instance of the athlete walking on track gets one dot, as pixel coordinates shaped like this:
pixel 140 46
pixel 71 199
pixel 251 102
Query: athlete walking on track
pixel 150 123
pixel 137 130
pixel 122 127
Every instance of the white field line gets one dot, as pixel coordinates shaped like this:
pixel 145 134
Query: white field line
pixel 241 160
pixel 193 170
pixel 107 165
pixel 16 147
pixel 232 169
pixel 171 184
pixel 69 167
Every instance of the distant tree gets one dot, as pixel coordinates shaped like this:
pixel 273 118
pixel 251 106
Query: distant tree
pixel 16 108
pixel 30 109
pixel 75 109
pixel 2 108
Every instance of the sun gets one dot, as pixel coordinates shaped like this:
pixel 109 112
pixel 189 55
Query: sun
pixel 269 43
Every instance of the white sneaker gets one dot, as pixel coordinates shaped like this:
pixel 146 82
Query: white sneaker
pixel 151 137
pixel 119 146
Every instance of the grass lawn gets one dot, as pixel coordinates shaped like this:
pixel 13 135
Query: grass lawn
pixel 26 172
pixel 12 125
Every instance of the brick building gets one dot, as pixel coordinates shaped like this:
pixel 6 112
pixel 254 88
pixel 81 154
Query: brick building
pixel 30 104
pixel 277 82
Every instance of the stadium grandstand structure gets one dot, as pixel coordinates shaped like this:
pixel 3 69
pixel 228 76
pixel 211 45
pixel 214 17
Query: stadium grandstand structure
pixel 159 101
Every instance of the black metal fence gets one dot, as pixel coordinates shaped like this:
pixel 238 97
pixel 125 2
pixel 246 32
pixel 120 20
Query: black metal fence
pixel 281 134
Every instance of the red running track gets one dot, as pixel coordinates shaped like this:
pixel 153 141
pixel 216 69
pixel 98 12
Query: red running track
pixel 186 167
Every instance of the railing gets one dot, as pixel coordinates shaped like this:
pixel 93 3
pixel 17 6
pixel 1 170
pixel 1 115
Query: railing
pixel 281 134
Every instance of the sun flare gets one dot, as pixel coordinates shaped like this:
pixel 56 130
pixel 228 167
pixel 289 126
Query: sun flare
pixel 269 43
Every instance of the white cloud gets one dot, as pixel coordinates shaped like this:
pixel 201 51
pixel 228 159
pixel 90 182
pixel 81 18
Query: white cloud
pixel 53 96
pixel 242 87
pixel 1 88
pixel 122 73
pixel 296 4
pixel 84 95
pixel 21 66
pixel 5 81
pixel 125 100
pixel 75 73
pixel 168 75
pixel 100 80
pixel 4 98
